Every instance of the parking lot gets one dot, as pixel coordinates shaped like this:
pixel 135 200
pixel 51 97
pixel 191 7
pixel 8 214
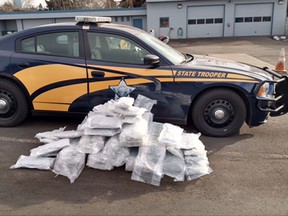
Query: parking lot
pixel 249 170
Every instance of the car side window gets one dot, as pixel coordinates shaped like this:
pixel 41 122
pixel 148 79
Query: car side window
pixel 28 45
pixel 58 44
pixel 114 48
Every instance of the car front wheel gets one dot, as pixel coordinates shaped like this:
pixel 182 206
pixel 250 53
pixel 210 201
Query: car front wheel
pixel 219 113
pixel 13 104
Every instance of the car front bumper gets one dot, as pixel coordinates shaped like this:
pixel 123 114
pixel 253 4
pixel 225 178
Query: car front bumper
pixel 278 105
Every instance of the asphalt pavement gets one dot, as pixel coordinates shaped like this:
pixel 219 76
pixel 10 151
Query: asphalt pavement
pixel 249 170
pixel 243 49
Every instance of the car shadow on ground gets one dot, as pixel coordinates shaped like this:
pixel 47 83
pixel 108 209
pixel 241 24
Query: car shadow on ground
pixel 214 144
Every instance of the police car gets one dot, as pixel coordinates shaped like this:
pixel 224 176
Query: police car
pixel 72 67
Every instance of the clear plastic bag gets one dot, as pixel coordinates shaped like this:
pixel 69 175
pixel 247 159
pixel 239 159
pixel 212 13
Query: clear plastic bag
pixel 132 111
pixel 134 134
pixel 112 155
pixel 122 106
pixel 130 160
pixel 196 166
pixel 90 144
pixel 68 134
pixel 74 141
pixel 144 102
pixel 106 108
pixel 101 132
pixel 104 122
pixel 50 148
pixel 149 161
pixel 115 151
pixel 191 141
pixel 175 151
pixel 148 116
pixel 83 124
pixel 174 167
pixel 171 135
pixel 131 119
pixel 70 163
pixel 196 152
pixel 99 161
pixel 49 135
pixel 149 164
pixel 48 140
pixel 154 130
pixel 124 102
pixel 42 163
pixel 197 172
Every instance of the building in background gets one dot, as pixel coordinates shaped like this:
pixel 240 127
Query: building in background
pixel 17 21
pixel 178 19
pixel 221 18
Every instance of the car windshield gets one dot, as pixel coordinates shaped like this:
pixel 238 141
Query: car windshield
pixel 169 52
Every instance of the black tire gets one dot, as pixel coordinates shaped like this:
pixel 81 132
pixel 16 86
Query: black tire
pixel 13 104
pixel 219 113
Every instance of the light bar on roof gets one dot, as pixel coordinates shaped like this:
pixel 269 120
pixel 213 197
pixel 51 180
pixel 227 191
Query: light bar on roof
pixel 92 19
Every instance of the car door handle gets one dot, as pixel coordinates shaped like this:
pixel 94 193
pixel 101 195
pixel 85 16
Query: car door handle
pixel 24 65
pixel 98 74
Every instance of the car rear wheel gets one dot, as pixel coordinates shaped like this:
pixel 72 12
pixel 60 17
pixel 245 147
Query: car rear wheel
pixel 13 104
pixel 219 113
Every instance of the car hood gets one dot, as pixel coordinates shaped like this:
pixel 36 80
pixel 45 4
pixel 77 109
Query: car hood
pixel 223 65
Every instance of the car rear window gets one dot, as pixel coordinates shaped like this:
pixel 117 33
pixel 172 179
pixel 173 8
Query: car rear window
pixel 58 44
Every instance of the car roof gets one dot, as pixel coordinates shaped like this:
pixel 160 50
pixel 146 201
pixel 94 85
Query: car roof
pixel 8 41
pixel 71 26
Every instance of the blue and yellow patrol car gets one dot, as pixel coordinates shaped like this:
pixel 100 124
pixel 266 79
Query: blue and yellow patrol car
pixel 72 67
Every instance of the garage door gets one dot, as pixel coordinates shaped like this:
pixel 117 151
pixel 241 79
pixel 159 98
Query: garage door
pixel 205 21
pixel 253 19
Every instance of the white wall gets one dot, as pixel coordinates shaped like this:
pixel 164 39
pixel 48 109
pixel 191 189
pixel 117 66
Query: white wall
pixel 279 21
pixel 178 17
pixel 286 29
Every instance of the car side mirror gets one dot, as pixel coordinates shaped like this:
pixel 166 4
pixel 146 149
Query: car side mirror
pixel 151 60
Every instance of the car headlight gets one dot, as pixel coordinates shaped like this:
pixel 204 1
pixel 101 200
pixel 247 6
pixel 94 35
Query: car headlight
pixel 266 90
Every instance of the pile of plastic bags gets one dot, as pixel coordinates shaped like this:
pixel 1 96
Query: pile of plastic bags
pixel 117 133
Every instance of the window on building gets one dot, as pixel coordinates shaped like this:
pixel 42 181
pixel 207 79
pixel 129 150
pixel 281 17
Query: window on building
pixel 205 21
pixel 191 21
pixel 200 21
pixel 239 19
pixel 164 22
pixel 257 19
pixel 267 19
pixel 248 19
pixel 122 19
pixel 253 19
pixel 116 19
pixel 128 19
pixel 218 20
pixel 210 21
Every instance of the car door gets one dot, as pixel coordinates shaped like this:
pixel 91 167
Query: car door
pixel 51 66
pixel 116 68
